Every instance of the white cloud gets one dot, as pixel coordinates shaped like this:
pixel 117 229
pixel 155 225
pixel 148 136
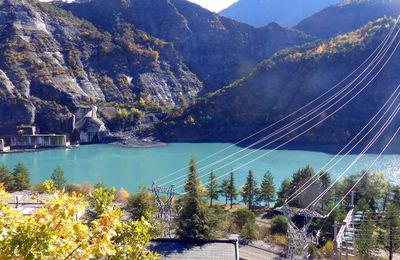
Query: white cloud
pixel 214 5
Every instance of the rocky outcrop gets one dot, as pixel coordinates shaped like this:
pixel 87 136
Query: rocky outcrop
pixel 51 63
pixel 217 49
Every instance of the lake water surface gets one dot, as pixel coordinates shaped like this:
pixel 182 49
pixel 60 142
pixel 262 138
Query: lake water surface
pixel 133 167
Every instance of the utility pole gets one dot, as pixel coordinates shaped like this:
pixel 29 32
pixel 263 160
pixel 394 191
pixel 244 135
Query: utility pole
pixel 335 248
pixel 165 207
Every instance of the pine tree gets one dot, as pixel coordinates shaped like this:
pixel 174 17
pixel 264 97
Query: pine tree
pixel 232 189
pixel 250 191
pixel 392 227
pixel 6 177
pixel 224 190
pixel 284 192
pixel 366 242
pixel 212 188
pixel 267 189
pixel 192 221
pixel 58 178
pixel 21 177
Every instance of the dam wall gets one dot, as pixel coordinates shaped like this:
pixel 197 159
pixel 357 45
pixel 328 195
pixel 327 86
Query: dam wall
pixel 39 141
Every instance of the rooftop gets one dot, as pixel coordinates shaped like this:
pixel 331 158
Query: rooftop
pixel 179 249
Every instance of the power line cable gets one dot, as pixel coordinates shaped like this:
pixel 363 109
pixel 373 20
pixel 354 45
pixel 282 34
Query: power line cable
pixel 322 120
pixel 290 115
pixel 323 171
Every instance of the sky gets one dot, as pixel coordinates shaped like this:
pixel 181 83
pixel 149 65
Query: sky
pixel 214 5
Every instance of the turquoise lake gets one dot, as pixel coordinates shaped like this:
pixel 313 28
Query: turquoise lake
pixel 133 167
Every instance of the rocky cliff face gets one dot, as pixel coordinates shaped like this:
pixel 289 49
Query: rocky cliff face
pixel 285 83
pixel 217 49
pixel 52 62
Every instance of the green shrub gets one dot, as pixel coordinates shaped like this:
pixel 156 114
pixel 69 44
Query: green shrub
pixel 313 251
pixel 73 187
pixel 140 205
pixel 243 216
pixel 249 230
pixel 278 225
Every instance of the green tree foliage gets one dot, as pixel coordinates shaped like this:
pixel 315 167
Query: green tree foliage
pixel 249 190
pixel 267 189
pixel 366 241
pixel 299 178
pixel 193 218
pixel 232 192
pixel 100 201
pixel 284 192
pixel 6 177
pixel 141 205
pixel 125 119
pixel 249 231
pixel 21 177
pixel 224 190
pixel 278 225
pixel 395 199
pixel 245 219
pixel 243 216
pixel 392 228
pixel 219 222
pixel 58 178
pixel 212 188
pixel 372 189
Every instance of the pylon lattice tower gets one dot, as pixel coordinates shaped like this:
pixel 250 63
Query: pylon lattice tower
pixel 299 239
pixel 165 208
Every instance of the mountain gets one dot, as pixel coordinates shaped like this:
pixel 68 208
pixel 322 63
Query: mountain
pixel 259 13
pixel 52 65
pixel 217 49
pixel 101 63
pixel 347 17
pixel 286 82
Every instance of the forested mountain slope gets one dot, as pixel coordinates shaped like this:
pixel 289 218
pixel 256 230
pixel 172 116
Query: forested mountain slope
pixel 286 82
pixel 347 17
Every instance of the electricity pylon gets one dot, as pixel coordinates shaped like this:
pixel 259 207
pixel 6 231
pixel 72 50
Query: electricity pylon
pixel 165 208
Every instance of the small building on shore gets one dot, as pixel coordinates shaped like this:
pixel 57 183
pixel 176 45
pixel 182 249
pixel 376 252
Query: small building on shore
pixel 3 147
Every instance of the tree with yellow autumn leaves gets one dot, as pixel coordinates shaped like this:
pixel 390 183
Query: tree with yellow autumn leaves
pixel 56 231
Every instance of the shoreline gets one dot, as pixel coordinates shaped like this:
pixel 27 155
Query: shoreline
pixel 147 143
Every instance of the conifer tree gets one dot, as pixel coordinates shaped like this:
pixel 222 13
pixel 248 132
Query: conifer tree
pixel 392 227
pixel 212 188
pixel 224 190
pixel 284 192
pixel 21 177
pixel 6 177
pixel 58 178
pixel 366 242
pixel 250 191
pixel 192 221
pixel 267 189
pixel 232 189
